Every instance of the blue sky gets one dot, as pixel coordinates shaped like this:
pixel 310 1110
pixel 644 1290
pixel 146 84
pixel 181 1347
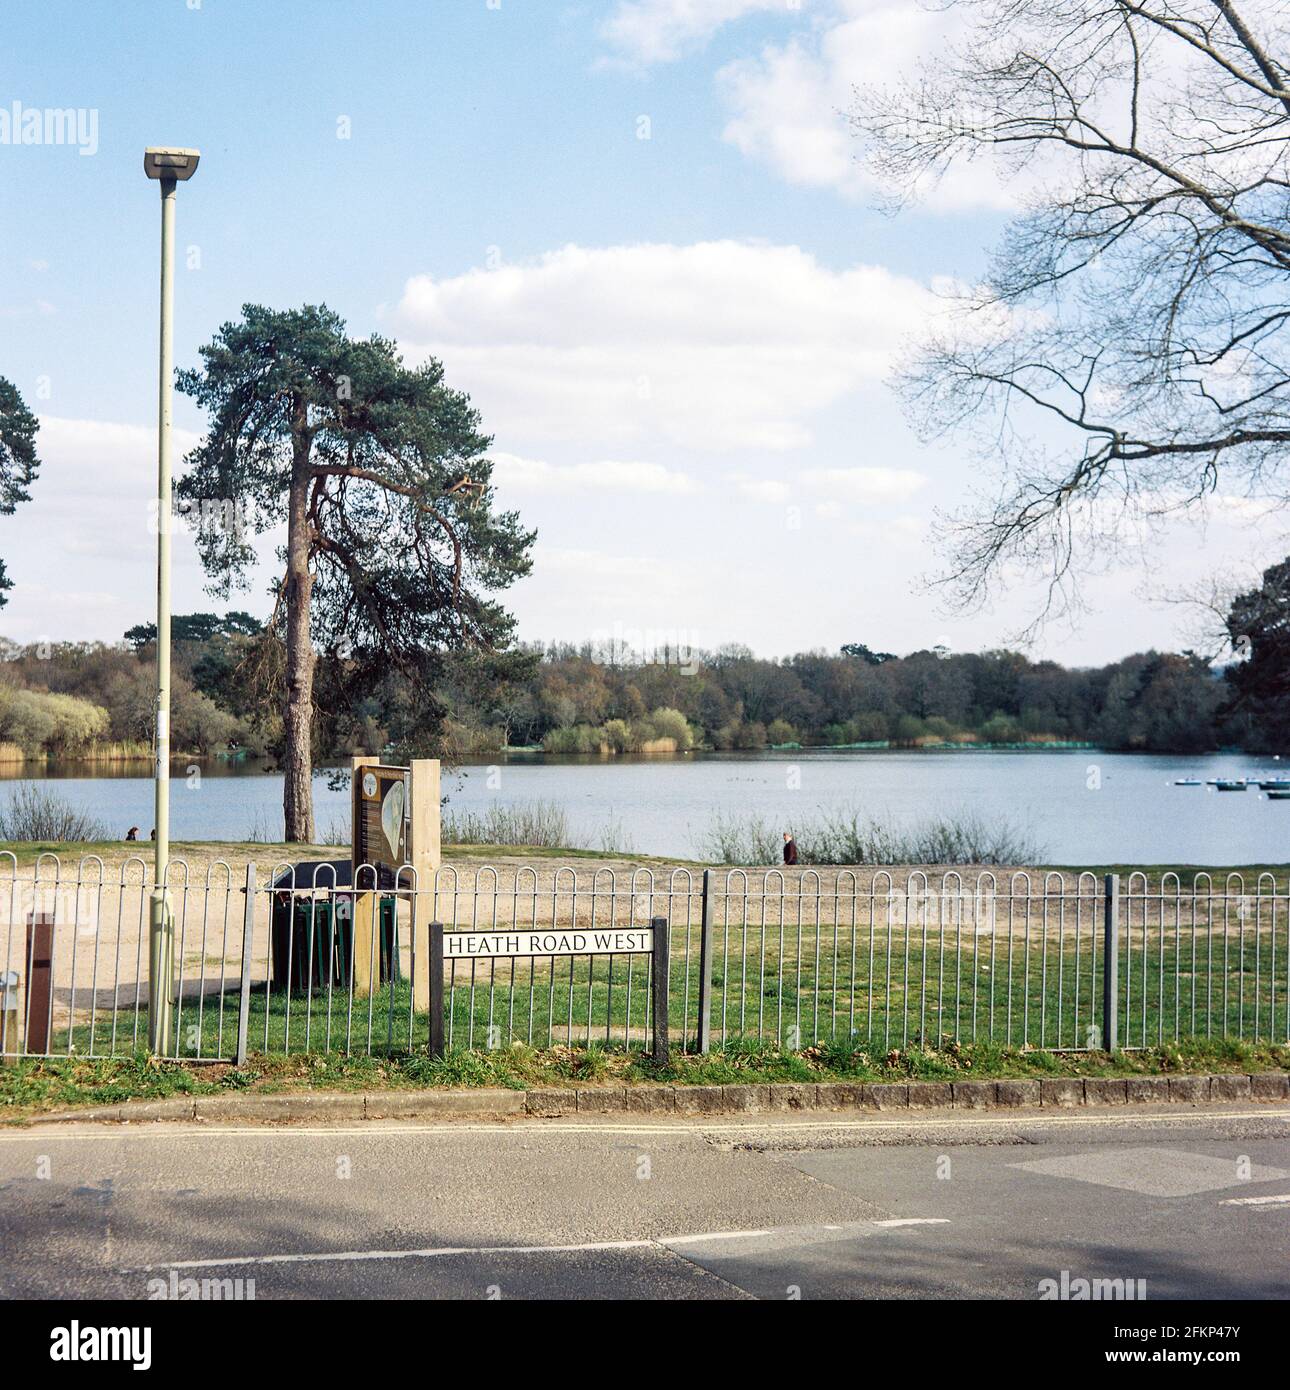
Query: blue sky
pixel 679 342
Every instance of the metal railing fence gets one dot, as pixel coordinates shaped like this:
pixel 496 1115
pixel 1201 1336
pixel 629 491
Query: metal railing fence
pixel 295 960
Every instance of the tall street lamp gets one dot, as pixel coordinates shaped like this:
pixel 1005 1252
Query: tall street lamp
pixel 169 167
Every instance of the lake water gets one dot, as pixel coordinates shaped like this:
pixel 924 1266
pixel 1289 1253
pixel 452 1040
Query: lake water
pixel 1083 807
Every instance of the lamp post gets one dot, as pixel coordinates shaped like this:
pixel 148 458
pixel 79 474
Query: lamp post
pixel 169 167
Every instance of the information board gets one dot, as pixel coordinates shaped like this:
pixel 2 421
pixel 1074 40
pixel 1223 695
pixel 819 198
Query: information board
pixel 380 817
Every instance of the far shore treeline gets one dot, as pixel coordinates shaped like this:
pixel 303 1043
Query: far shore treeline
pixel 94 700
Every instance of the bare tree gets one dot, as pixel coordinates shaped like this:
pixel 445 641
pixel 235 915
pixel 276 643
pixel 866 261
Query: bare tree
pixel 1127 353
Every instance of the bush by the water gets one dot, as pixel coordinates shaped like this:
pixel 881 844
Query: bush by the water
pixel 848 838
pixel 35 813
pixel 541 824
pixel 37 719
pixel 664 731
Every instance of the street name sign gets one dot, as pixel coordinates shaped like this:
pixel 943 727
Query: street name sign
pixel 448 944
pixel 625 941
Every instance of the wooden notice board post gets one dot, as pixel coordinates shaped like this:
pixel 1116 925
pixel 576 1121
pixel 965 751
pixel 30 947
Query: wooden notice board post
pixel 424 854
pixel 395 823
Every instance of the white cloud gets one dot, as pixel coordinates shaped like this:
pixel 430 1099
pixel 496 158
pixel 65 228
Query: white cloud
pixel 867 485
pixel 513 473
pixel 660 31
pixel 789 104
pixel 105 458
pixel 53 601
pixel 899 532
pixel 41 307
pixel 585 564
pixel 759 489
pixel 839 489
pixel 717 345
pixel 575 592
pixel 83 552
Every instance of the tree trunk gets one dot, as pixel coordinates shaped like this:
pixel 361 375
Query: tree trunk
pixel 297 782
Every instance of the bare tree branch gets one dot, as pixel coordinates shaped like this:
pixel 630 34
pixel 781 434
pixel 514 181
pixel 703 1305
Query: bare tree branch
pixel 1129 342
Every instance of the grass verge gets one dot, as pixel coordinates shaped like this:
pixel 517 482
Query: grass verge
pixel 37 1085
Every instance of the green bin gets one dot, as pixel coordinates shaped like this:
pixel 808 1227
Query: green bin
pixel 313 937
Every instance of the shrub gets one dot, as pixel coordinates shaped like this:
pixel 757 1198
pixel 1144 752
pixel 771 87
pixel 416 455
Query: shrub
pixel 620 737
pixel 37 720
pixel 847 838
pixel 542 824
pixel 740 735
pixel 671 723
pixel 870 727
pixel 459 740
pixel 34 813
pixel 741 840
pixel 1001 728
pixel 197 724
pixel 580 738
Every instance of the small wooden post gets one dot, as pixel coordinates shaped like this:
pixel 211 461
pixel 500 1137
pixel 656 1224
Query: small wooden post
pixel 365 946
pixel 659 974
pixel 244 984
pixel 437 1038
pixel 707 926
pixel 424 856
pixel 10 1044
pixel 1111 965
pixel 40 982
pixel 425 851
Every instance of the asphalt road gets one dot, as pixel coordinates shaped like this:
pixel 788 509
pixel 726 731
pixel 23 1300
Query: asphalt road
pixel 1196 1203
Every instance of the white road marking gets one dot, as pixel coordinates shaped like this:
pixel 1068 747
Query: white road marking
pixel 724 1235
pixel 1280 1200
pixel 433 1252
pixel 110 1129
pixel 1153 1170
pixel 781 1235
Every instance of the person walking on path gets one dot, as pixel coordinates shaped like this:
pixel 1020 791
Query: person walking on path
pixel 790 848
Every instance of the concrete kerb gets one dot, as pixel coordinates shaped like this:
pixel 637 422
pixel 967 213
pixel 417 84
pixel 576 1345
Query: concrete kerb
pixel 1048 1093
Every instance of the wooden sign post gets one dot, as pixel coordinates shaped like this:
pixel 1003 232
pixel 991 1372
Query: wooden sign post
pixel 395 824
pixel 40 982
pixel 425 856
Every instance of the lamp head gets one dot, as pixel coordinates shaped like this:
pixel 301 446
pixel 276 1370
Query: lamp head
pixel 169 164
